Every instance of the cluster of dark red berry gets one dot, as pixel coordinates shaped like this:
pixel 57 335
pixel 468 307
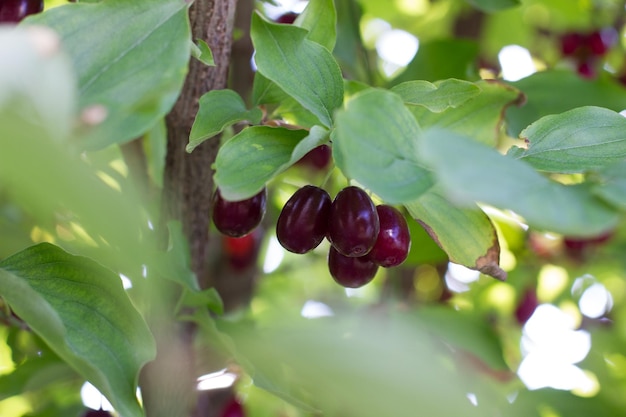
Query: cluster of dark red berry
pixel 13 11
pixel 362 236
pixel 586 49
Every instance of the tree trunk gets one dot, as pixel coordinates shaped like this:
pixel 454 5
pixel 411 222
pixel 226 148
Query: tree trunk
pixel 169 383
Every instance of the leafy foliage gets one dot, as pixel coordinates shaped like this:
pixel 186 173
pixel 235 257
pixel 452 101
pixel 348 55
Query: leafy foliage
pixel 81 311
pixel 523 181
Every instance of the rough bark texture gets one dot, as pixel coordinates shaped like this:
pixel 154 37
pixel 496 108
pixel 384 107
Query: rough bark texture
pixel 188 177
pixel 168 383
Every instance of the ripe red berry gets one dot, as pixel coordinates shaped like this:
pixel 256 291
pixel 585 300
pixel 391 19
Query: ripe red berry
pixel 586 69
pixel 303 221
pixel 393 241
pixel 13 11
pixel 242 252
pixel 287 18
pixel 571 42
pixel 350 272
pixel 233 408
pixel 353 226
pixel 317 158
pixel 238 218
pixel 526 306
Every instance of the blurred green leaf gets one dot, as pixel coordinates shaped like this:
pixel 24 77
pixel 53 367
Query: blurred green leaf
pixel 366 366
pixel 611 186
pixel 349 51
pixel 553 92
pixel 302 68
pixel 130 57
pixel 578 140
pixel 437 96
pixel 471 172
pixel 257 154
pixel 209 299
pixel 491 6
pixel 35 374
pixel 465 330
pixel 82 312
pixel 375 143
pixel 465 234
pixel 479 117
pixel 320 19
pixel 37 84
pixel 440 59
pixel 218 110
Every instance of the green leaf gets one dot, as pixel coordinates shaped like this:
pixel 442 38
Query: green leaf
pixel 265 91
pixel 208 298
pixel 257 154
pixel 175 264
pixel 471 172
pixel 375 143
pixel 35 374
pixel 437 96
pixel 202 52
pixel 554 92
pixel 440 59
pixel 320 19
pixel 424 250
pixel 37 83
pixel 337 367
pixel 218 110
pixel 479 117
pixel 491 6
pixel 578 140
pixel 352 55
pixel 465 234
pixel 302 68
pixel 612 185
pixel 464 330
pixel 131 57
pixel 82 312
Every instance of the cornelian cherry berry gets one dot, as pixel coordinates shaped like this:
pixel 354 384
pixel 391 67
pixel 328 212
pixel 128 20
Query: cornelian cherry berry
pixel 242 252
pixel 527 306
pixel 238 218
pixel 317 158
pixel 13 11
pixel 303 221
pixel 350 272
pixel 393 241
pixel 233 408
pixel 287 18
pixel 353 224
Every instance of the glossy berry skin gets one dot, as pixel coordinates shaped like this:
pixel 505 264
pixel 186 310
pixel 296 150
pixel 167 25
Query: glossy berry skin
pixel 287 18
pixel 317 158
pixel 96 413
pixel 233 408
pixel 350 272
pixel 238 218
pixel 394 240
pixel 303 221
pixel 353 226
pixel 13 11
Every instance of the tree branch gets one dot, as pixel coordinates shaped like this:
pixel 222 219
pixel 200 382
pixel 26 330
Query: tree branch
pixel 169 383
